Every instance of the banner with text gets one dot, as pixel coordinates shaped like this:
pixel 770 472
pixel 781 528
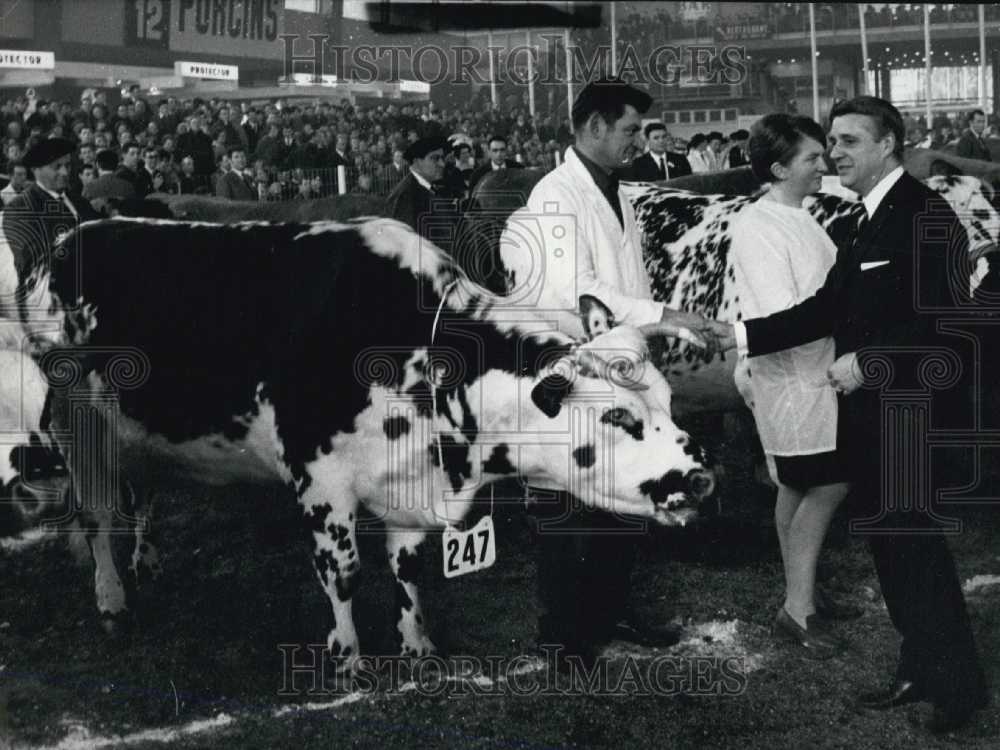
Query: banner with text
pixel 235 28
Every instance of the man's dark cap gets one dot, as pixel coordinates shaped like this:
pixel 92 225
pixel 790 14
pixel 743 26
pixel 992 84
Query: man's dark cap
pixel 47 151
pixel 423 146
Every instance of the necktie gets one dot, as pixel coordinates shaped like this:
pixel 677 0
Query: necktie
pixel 662 162
pixel 860 214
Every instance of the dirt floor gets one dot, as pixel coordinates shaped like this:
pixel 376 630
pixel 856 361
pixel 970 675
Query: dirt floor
pixel 203 665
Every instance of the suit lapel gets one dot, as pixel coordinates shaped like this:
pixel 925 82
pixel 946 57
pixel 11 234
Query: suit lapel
pixel 897 196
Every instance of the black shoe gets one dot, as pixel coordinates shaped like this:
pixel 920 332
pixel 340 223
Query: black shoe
pixel 944 720
pixel 569 657
pixel 899 693
pixel 816 641
pixel 829 609
pixel 644 634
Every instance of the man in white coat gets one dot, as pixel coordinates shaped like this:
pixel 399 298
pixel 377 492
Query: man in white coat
pixel 582 224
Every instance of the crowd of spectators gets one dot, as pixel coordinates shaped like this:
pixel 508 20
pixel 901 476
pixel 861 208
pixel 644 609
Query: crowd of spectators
pixel 288 150
pixel 279 150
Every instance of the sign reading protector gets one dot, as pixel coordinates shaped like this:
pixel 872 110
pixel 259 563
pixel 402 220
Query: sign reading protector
pixel 209 71
pixel 27 59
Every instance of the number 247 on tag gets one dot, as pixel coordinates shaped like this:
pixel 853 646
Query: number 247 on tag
pixel 469 551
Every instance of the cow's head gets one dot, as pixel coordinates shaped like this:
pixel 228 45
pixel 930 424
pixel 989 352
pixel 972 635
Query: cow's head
pixel 611 406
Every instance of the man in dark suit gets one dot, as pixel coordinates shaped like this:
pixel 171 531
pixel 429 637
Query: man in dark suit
pixel 498 160
pixel 131 172
pixel 971 145
pixel 35 220
pixel 881 302
pixel 738 148
pixel 657 163
pixel 235 184
pixel 415 200
pixel 393 172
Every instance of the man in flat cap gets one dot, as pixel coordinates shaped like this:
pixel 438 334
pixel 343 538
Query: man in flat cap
pixel 415 201
pixel 35 220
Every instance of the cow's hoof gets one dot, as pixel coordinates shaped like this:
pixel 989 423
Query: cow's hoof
pixel 419 649
pixel 117 623
pixel 346 666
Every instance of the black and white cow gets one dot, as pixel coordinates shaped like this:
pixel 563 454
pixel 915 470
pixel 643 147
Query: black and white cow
pixel 356 363
pixel 687 238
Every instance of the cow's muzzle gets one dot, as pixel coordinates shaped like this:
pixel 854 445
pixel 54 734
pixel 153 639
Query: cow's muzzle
pixel 677 496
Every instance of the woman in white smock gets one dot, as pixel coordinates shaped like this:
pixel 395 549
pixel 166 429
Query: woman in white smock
pixel 781 257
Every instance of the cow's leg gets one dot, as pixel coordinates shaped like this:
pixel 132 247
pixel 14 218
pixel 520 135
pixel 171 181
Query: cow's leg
pixel 145 566
pixel 335 557
pixel 112 601
pixel 85 433
pixel 402 547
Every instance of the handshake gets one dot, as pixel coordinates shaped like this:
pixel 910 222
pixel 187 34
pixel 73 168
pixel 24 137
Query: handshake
pixel 711 335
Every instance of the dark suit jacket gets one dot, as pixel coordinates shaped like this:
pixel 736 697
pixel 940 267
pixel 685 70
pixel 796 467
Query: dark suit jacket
pixel 430 215
pixel 738 157
pixel 644 169
pixel 971 147
pixel 33 222
pixel 141 180
pixel 235 187
pixel 484 169
pixel 876 311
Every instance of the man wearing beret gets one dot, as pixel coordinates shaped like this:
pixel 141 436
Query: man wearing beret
pixel 34 221
pixel 414 201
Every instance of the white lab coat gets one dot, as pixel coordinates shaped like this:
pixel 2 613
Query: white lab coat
pixel 781 256
pixel 699 162
pixel 567 242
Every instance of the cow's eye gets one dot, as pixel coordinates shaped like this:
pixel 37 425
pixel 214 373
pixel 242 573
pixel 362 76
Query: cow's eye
pixel 622 417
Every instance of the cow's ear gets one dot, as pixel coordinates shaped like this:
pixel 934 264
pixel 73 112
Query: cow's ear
pixel 596 316
pixel 548 395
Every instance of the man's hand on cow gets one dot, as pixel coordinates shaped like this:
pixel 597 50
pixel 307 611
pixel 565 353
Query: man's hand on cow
pixel 845 374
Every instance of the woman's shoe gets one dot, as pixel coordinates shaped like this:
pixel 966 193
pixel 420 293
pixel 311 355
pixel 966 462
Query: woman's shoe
pixel 815 640
pixel 829 609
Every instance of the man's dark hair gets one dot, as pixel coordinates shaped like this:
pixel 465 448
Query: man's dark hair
pixel 715 135
pixel 696 140
pixel 776 138
pixel 975 112
pixel 236 149
pixel 608 98
pixel 496 137
pixel 652 127
pixel 885 116
pixel 107 160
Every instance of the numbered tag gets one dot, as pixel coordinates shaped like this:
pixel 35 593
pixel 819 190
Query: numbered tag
pixel 469 551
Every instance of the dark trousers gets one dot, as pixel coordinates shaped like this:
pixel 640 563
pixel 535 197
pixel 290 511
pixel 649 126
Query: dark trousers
pixel 585 560
pixel 924 597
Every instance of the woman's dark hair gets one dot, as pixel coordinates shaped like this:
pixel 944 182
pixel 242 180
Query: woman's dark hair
pixel 696 140
pixel 885 116
pixel 776 138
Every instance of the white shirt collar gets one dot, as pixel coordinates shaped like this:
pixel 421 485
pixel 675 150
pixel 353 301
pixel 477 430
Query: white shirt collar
pixel 421 180
pixel 874 198
pixel 56 196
